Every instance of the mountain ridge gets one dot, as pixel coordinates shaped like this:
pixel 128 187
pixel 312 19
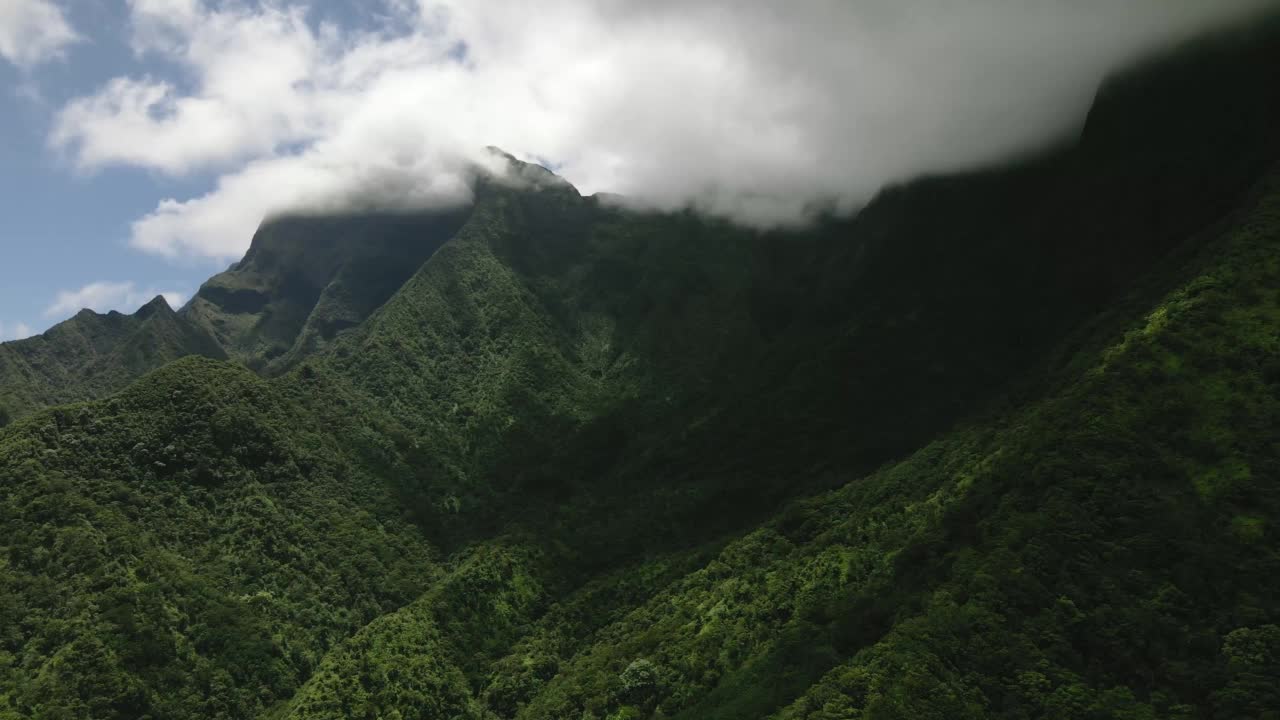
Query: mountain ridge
pixel 92 354
pixel 292 307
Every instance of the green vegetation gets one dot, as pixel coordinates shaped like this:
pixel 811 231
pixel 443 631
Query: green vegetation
pixel 1002 445
pixel 1061 561
pixel 306 279
pixel 92 355
pixel 186 549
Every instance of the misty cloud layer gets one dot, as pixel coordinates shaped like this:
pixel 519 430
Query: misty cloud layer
pixel 750 109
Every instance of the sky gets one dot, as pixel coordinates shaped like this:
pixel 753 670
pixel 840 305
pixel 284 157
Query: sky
pixel 143 141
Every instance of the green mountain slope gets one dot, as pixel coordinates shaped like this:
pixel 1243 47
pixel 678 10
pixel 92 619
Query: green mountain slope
pixel 1106 552
pixel 306 279
pixel 1067 559
pixel 303 281
pixel 92 355
pixel 998 446
pixel 191 547
pixel 615 370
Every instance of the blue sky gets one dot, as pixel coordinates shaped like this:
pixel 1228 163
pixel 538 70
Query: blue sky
pixel 65 231
pixel 143 141
pixel 61 229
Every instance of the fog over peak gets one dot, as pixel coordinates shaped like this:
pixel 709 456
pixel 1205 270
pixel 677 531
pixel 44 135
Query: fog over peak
pixel 754 110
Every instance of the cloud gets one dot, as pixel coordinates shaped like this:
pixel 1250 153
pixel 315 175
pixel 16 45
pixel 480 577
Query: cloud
pixel 15 331
pixel 750 109
pixel 253 69
pixel 33 31
pixel 324 178
pixel 106 296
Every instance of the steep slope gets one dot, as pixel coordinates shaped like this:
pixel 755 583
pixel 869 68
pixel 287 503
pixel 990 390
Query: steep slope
pixel 1108 551
pixel 546 374
pixel 1067 559
pixel 614 370
pixel 92 355
pixel 305 279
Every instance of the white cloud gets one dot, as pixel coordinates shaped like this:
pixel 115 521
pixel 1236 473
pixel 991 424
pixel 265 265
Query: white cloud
pixel 106 296
pixel 253 69
pixel 750 109
pixel 15 331
pixel 33 31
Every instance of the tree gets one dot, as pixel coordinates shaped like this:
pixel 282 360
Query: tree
pixel 639 681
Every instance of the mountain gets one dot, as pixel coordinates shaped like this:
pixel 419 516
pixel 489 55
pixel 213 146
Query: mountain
pixel 999 445
pixel 306 279
pixel 91 355
pixel 560 348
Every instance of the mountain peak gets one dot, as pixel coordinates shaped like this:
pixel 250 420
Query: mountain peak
pixel 157 304
pixel 520 173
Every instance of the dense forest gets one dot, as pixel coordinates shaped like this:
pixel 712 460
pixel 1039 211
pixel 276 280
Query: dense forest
pixel 1001 444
